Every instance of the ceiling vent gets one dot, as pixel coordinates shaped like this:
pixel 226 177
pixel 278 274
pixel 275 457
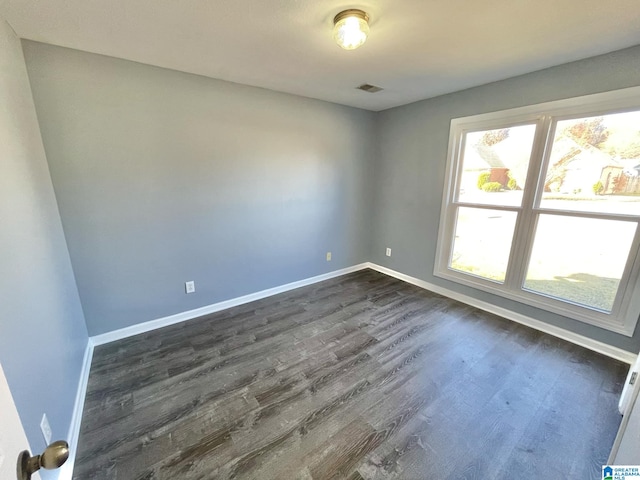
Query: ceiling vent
pixel 369 88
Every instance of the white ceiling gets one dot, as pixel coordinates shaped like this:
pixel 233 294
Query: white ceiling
pixel 417 48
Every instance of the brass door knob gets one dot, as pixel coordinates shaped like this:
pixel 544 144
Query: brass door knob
pixel 53 457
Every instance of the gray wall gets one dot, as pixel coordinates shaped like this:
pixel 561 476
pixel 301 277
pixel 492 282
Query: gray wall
pixel 42 330
pixel 163 177
pixel 412 153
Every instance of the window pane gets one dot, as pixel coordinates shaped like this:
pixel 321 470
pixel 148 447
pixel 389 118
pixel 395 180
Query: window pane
pixel 579 259
pixel 483 242
pixel 494 165
pixel 595 165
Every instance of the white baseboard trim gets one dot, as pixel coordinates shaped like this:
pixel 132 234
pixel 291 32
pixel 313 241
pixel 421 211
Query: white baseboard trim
pixel 595 345
pixel 216 307
pixel 66 471
pixel 591 344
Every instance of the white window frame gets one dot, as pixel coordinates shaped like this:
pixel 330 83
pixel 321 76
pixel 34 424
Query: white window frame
pixel 626 309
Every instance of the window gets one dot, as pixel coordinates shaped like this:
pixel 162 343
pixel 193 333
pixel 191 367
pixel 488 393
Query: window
pixel 542 205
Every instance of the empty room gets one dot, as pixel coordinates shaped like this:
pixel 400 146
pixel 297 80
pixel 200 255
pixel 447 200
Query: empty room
pixel 319 240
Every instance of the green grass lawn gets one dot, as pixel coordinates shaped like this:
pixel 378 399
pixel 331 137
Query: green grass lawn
pixel 581 288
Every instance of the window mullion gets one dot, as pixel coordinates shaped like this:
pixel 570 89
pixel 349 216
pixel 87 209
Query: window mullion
pixel 525 224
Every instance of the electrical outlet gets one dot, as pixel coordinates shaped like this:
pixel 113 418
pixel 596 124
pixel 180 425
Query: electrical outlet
pixel 190 287
pixel 328 256
pixel 46 429
pixel 388 252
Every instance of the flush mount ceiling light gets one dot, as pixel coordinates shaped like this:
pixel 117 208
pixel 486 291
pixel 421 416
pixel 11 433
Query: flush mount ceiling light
pixel 350 28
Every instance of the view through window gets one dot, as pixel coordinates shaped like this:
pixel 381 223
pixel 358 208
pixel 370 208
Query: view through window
pixel 545 209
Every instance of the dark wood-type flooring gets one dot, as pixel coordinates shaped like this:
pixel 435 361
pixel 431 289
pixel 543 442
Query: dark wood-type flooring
pixel 359 377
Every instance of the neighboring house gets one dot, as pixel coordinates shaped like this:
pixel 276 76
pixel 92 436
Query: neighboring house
pixel 574 168
pixel 618 180
pixel 505 159
pixel 577 168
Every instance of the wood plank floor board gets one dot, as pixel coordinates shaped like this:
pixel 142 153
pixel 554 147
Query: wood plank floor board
pixel 359 377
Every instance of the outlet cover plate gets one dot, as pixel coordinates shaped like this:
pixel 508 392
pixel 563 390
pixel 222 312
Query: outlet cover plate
pixel 190 287
pixel 388 252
